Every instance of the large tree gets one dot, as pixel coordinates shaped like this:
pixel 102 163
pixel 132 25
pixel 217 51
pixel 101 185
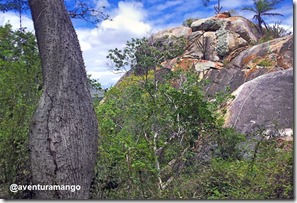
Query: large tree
pixel 63 134
pixel 262 8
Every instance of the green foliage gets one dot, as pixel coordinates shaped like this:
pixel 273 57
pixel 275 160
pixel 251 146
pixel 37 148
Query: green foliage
pixel 265 63
pixel 142 55
pixel 147 133
pixel 228 144
pixel 269 176
pixel 148 127
pixel 20 82
pixel 188 22
pixel 94 83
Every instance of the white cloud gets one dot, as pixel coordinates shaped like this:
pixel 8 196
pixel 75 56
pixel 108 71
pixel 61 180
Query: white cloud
pixel 14 20
pixel 128 21
pixel 129 18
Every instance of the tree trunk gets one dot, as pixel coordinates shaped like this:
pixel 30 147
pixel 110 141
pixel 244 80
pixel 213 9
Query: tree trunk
pixel 260 24
pixel 63 134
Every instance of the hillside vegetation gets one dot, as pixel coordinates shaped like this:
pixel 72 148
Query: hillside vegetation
pixel 162 128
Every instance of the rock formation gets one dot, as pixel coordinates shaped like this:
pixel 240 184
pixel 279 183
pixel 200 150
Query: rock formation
pixel 222 50
pixel 265 102
pixel 214 38
pixel 226 51
pixel 257 60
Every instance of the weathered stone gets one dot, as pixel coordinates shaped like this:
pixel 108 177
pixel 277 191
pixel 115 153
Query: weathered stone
pixel 197 25
pixel 225 14
pixel 263 103
pixel 222 80
pixel 189 63
pixel 202 65
pixel 237 24
pixel 215 38
pixel 286 54
pixel 245 28
pixel 227 41
pixel 271 56
pixel 208 24
pixel 213 46
pixel 180 31
pixel 202 46
pixel 228 45
pixel 210 43
pixel 277 52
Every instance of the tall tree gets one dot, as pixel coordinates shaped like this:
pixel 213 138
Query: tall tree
pixel 63 134
pixel 262 8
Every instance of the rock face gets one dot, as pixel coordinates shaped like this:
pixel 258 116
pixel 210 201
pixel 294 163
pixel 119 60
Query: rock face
pixel 220 49
pixel 188 63
pixel 237 24
pixel 181 31
pixel 255 61
pixel 264 102
pixel 277 52
pixel 214 38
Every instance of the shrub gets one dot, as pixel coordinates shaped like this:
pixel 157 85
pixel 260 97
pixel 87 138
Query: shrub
pixel 265 63
pixel 20 82
pixel 274 31
pixel 188 22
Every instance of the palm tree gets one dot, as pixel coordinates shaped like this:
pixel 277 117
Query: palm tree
pixel 262 8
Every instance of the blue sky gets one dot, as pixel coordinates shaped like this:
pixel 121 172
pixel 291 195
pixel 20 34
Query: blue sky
pixel 141 18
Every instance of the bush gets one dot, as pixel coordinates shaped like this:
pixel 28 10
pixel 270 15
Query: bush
pixel 268 176
pixel 273 32
pixel 188 22
pixel 20 82
pixel 147 133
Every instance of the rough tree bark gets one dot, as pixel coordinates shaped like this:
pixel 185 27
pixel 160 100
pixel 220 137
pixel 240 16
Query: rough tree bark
pixel 63 134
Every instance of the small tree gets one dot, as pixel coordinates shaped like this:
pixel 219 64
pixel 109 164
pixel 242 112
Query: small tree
pixel 262 8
